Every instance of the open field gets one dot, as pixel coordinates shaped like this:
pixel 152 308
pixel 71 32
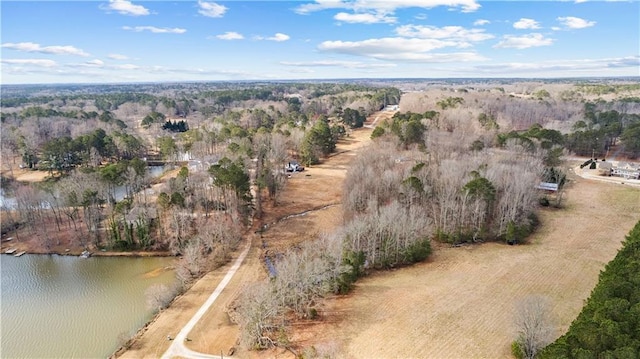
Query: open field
pixel 460 304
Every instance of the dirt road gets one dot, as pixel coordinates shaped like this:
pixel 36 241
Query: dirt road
pixel 177 347
pixel 316 191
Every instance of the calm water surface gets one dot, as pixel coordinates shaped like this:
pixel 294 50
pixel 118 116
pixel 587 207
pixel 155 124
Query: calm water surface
pixel 69 307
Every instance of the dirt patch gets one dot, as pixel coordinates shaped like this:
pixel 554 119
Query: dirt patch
pixel 25 175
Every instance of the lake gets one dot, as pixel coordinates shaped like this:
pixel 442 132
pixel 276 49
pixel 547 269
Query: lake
pixel 69 307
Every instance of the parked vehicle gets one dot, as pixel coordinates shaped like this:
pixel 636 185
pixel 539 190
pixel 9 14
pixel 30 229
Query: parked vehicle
pixel 293 166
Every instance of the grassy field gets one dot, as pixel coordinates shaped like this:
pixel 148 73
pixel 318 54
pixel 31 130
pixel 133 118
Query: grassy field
pixel 460 304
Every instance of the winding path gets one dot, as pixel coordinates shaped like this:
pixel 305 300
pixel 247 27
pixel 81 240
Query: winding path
pixel 177 347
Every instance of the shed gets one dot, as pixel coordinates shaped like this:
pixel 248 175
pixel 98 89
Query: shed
pixel 548 186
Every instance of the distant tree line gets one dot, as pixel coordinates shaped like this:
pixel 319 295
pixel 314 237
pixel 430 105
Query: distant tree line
pixel 601 130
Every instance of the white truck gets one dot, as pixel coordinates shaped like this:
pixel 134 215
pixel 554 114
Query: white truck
pixel 293 166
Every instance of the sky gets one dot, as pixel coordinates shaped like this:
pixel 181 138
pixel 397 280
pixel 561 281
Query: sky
pixel 121 41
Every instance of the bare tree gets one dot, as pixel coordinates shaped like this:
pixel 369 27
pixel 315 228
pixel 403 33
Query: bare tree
pixel 277 157
pixel 192 263
pixel 159 296
pixel 534 325
pixel 390 235
pixel 259 315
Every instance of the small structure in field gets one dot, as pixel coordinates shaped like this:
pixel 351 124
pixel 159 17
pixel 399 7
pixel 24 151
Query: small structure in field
pixel 548 186
pixel 604 168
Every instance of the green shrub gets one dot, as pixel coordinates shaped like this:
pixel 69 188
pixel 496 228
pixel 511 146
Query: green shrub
pixel 516 350
pixel 355 261
pixel 418 251
pixel 543 201
pixel 377 132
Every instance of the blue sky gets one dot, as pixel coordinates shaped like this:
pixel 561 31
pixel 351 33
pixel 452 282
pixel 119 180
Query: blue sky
pixel 143 41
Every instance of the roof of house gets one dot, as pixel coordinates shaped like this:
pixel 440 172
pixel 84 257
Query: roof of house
pixel 547 186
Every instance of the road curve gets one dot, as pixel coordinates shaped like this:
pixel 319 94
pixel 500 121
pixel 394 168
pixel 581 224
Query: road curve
pixel 177 347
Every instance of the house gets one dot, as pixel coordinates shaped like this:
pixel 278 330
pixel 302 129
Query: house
pixel 628 173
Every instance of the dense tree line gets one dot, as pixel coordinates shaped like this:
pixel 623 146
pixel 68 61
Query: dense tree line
pixel 65 153
pixel 601 130
pixel 609 323
pixel 467 196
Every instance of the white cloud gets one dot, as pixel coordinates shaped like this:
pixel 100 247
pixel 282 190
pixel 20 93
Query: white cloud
pixel 435 57
pixel 336 63
pixel 365 18
pixel 525 23
pixel 575 22
pixel 400 49
pixel 32 62
pixel 125 7
pixel 279 37
pixel 384 45
pixel 55 50
pixel 230 35
pixel 211 9
pixel 481 22
pixel 155 30
pixel 118 57
pixel 301 71
pixel 524 41
pixel 94 63
pixel 447 32
pixel 126 67
pixel 559 67
pixel 580 1
pixel 385 6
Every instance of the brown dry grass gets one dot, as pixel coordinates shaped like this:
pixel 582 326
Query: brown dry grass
pixel 13 171
pixel 460 304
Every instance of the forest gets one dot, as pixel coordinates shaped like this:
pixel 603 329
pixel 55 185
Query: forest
pixel 224 147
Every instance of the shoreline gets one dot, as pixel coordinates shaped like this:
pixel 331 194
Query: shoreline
pixel 19 246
